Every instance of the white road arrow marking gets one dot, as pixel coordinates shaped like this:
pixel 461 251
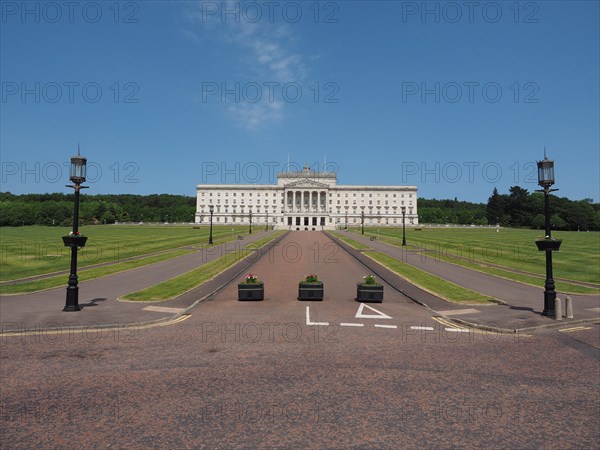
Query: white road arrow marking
pixel 379 315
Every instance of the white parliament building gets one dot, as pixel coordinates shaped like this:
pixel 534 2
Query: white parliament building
pixel 306 200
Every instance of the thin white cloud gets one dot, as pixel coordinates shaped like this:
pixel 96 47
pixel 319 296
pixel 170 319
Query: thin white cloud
pixel 253 115
pixel 264 52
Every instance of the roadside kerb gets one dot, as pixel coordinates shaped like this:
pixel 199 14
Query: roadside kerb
pixel 549 326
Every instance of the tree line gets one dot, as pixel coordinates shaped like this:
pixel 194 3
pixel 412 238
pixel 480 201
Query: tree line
pixel 518 208
pixel 57 209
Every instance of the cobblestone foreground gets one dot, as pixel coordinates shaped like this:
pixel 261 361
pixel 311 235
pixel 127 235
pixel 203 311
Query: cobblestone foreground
pixel 292 374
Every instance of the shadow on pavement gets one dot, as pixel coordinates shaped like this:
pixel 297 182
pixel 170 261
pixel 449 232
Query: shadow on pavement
pixel 92 302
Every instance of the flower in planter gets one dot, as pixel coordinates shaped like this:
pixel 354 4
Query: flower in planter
pixel 311 278
pixel 369 280
pixel 252 279
pixel 76 234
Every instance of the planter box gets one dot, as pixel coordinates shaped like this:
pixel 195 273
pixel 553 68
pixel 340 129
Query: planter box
pixel 548 244
pixel 366 293
pixel 251 291
pixel 74 241
pixel 310 291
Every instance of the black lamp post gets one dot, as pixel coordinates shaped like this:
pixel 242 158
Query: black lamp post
pixel 267 222
pixel 74 239
pixel 362 222
pixel 250 216
pixel 545 180
pixel 346 220
pixel 211 209
pixel 403 226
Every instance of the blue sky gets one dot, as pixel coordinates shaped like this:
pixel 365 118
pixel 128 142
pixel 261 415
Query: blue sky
pixel 454 97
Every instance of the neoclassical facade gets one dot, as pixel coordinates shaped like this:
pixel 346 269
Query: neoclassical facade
pixel 306 200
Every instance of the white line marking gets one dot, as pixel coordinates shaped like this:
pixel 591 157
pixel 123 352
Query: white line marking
pixel 568 330
pixel 421 328
pixel 308 322
pixel 352 324
pixel 379 315
pixel 385 326
pixel 163 309
pixel 453 312
pixel 458 330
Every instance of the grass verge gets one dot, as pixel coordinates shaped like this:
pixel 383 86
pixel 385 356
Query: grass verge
pixel 187 281
pixel 532 280
pixel 89 274
pixel 36 250
pixel 351 242
pixel 480 266
pixel 434 285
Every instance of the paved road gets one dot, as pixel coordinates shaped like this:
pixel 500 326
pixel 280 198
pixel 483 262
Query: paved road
pixel 258 375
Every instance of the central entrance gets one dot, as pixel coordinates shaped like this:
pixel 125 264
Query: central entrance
pixel 306 222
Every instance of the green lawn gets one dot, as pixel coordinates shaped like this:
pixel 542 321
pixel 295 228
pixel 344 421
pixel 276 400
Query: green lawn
pixel 89 274
pixel 577 260
pixel 351 242
pixel 36 250
pixel 430 283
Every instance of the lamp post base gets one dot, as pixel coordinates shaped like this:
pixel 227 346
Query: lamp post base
pixel 71 308
pixel 549 304
pixel 72 303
